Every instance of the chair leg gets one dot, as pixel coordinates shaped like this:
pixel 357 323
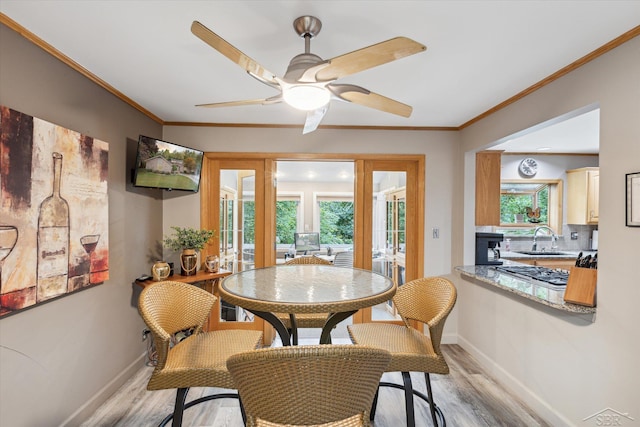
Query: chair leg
pixel 432 404
pixel 293 330
pixel 293 333
pixel 374 405
pixel 181 397
pixel 408 399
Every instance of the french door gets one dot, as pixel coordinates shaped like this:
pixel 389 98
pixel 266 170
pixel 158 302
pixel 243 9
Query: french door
pixel 390 225
pixel 238 200
pixel 233 201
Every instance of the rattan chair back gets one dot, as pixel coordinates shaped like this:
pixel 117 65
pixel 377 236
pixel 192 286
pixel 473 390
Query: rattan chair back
pixel 308 385
pixel 170 307
pixel 428 300
pixel 307 260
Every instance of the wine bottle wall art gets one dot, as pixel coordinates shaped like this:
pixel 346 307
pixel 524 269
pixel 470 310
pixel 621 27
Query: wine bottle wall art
pixel 54 224
pixel 53 240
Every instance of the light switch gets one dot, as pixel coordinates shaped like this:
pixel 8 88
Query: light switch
pixel 436 232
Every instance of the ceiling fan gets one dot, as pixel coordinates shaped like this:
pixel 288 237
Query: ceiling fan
pixel 309 82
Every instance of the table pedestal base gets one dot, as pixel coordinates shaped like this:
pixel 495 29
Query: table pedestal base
pixel 325 336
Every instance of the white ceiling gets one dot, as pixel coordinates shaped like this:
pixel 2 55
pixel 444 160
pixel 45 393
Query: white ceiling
pixel 572 135
pixel 479 54
pixel 308 171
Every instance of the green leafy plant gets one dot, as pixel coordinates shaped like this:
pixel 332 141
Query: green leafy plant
pixel 188 238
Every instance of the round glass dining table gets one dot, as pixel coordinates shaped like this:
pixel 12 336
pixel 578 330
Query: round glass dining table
pixel 297 289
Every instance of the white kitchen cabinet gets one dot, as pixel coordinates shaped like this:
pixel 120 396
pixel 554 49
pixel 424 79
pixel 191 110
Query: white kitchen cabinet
pixel 583 187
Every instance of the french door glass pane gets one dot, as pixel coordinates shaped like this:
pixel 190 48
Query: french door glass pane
pixel 246 233
pixel 237 236
pixel 389 231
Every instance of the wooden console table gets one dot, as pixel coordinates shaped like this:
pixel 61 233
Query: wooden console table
pixel 200 276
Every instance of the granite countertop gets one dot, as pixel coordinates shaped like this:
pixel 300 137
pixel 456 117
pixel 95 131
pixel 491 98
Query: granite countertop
pixel 542 293
pixel 564 255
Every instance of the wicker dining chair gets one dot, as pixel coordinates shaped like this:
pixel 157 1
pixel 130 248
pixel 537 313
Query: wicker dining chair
pixel 200 359
pixel 328 385
pixel 429 301
pixel 306 320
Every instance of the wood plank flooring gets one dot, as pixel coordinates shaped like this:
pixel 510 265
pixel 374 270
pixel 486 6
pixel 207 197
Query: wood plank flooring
pixel 468 397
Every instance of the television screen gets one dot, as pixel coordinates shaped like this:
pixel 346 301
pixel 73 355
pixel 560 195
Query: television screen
pixel 162 164
pixel 307 241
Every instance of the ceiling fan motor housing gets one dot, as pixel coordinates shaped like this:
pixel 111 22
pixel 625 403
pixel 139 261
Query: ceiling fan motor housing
pixel 298 65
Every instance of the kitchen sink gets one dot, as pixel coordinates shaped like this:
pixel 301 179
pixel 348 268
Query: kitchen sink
pixel 542 253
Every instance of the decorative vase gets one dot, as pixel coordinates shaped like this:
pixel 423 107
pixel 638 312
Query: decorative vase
pixel 212 263
pixel 160 271
pixel 189 262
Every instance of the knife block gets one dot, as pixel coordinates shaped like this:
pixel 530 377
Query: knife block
pixel 581 286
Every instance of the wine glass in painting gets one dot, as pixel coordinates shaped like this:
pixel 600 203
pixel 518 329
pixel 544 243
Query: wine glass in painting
pixel 89 243
pixel 8 239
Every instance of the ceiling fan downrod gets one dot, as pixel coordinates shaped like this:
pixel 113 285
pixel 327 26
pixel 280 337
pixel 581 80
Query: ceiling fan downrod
pixel 307 27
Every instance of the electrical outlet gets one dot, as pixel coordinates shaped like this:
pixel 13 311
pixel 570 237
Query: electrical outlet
pixel 145 332
pixel 574 235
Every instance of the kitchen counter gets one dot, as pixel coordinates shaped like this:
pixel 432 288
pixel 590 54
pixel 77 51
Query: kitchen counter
pixel 565 255
pixel 539 292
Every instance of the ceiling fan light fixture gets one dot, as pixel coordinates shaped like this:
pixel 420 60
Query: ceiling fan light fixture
pixel 306 97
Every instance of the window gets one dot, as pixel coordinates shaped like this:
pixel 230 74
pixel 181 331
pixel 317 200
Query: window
pixel 522 203
pixel 333 216
pixel 286 220
pixel 525 205
pixel 336 222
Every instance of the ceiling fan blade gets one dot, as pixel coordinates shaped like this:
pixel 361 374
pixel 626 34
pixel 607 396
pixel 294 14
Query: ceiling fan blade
pixel 231 52
pixel 362 96
pixel 314 118
pixel 369 57
pixel 263 101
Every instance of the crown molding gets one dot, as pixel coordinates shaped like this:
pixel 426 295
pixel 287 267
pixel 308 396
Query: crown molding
pixel 5 20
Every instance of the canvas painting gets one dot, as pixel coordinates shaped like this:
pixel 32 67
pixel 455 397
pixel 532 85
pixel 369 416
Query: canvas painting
pixel 54 208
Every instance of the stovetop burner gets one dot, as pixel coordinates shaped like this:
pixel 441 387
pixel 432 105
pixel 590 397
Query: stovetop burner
pixel 543 274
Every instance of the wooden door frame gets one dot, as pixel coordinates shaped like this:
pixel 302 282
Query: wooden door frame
pixel 364 165
pixel 414 216
pixel 210 219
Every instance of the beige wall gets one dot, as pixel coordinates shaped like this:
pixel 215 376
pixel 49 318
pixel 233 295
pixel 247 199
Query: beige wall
pixel 61 359
pixel 564 366
pixel 440 148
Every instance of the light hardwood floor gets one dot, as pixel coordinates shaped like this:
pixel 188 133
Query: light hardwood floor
pixel 467 396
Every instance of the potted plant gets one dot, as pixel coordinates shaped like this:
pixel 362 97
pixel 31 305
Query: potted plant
pixel 190 241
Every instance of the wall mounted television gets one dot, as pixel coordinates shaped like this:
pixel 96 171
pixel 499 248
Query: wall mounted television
pixel 168 166
pixel 307 242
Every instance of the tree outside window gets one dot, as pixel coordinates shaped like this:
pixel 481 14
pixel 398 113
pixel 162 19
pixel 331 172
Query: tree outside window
pixel 336 222
pixel 286 220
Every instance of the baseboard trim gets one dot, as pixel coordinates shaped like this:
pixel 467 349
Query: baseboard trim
pixel 535 402
pixel 92 405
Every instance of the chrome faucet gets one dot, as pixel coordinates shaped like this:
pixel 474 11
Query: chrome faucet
pixel 554 238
